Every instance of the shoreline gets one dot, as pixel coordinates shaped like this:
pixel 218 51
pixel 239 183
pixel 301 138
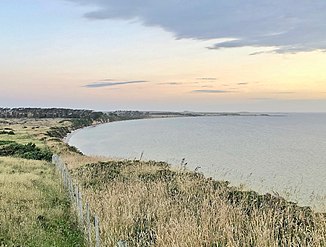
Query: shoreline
pixel 164 201
pixel 263 188
pixel 67 138
pixel 69 135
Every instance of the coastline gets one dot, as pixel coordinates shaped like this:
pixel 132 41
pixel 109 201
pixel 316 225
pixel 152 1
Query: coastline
pixel 240 178
pixel 130 180
pixel 69 135
pixel 137 199
pixel 67 138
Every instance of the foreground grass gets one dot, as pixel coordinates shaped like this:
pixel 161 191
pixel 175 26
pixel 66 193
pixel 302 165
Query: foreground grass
pixel 152 204
pixel 34 209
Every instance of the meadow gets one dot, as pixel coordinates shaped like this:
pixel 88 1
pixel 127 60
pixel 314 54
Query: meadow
pixel 34 208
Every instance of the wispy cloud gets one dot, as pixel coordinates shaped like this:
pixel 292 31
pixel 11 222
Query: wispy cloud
pixel 211 91
pixel 262 99
pixel 283 92
pixel 207 78
pixel 171 83
pixel 107 80
pixel 242 83
pixel 288 25
pixel 110 84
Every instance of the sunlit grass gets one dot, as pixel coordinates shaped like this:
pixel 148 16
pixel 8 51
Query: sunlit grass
pixel 150 204
pixel 34 208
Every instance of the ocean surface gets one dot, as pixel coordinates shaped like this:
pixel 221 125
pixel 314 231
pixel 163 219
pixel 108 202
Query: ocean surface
pixel 283 155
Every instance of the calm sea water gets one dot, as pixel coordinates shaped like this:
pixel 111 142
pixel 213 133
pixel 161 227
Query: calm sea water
pixel 280 154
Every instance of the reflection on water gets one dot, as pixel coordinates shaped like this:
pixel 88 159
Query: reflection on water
pixel 281 154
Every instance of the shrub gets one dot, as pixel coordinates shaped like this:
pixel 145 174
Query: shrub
pixel 28 151
pixel 7 133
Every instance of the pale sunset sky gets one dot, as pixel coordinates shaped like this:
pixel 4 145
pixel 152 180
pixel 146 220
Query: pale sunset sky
pixel 196 55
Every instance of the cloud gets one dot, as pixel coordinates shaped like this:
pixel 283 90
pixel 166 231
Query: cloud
pixel 258 53
pixel 289 26
pixel 177 83
pixel 108 80
pixel 243 83
pixel 259 99
pixel 207 78
pixel 110 84
pixel 210 91
pixel 283 92
pixel 171 83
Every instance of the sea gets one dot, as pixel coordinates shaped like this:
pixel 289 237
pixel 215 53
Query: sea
pixel 281 154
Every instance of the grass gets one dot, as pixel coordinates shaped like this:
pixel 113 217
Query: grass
pixel 150 204
pixel 34 209
pixel 153 204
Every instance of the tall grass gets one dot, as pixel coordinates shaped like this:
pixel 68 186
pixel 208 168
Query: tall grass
pixel 149 204
pixel 34 211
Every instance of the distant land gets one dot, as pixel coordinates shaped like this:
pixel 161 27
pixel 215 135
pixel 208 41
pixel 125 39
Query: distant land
pixel 111 115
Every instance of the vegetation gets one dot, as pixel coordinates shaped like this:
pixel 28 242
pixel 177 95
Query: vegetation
pixel 76 123
pixel 150 204
pixel 58 132
pixel 127 115
pixel 51 113
pixel 28 151
pixel 7 132
pixel 146 203
pixel 34 211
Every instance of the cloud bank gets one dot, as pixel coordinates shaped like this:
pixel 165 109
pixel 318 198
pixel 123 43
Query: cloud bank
pixel 289 26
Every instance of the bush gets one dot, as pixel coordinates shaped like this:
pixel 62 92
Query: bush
pixel 28 151
pixel 7 133
pixel 58 132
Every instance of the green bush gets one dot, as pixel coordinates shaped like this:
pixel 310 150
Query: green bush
pixel 58 132
pixel 28 151
pixel 7 133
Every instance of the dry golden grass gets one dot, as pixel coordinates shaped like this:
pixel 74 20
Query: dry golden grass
pixel 34 211
pixel 29 129
pixel 148 204
pixel 75 160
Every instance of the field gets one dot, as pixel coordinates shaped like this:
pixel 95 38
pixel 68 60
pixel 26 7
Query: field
pixel 154 204
pixel 34 209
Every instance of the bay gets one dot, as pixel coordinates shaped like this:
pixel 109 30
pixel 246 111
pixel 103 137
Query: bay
pixel 282 155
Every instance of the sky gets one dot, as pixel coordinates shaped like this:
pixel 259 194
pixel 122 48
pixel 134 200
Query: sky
pixel 176 55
